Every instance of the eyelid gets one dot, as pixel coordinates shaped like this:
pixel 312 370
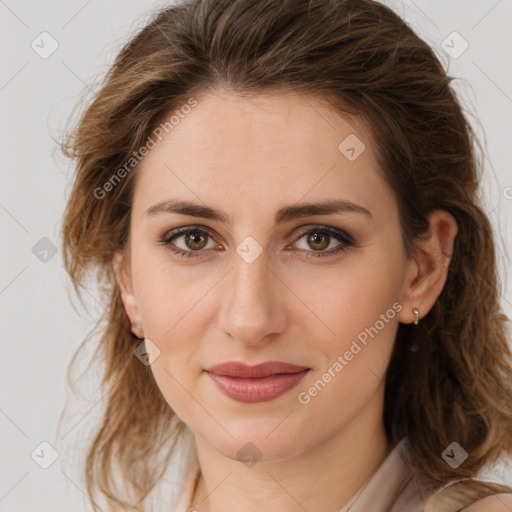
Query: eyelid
pixel 345 239
pixel 173 233
pixel 335 232
pixel 301 230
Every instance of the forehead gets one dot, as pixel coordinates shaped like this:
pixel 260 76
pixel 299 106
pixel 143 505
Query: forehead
pixel 261 149
pixel 226 121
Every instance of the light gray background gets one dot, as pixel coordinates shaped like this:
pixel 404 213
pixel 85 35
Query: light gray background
pixel 39 326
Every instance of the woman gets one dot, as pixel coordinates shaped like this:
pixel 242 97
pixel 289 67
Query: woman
pixel 281 200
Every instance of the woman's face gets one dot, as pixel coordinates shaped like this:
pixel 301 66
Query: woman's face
pixel 315 289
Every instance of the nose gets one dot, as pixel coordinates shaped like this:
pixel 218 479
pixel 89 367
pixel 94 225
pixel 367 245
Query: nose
pixel 253 308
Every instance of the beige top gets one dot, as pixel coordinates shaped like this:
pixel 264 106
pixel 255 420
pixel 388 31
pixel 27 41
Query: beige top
pixel 393 487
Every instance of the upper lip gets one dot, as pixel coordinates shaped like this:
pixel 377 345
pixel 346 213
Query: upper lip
pixel 242 370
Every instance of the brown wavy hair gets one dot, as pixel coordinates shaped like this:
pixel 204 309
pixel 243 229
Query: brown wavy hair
pixel 365 61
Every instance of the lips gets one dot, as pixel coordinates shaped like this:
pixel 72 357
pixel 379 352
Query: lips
pixel 237 369
pixel 259 383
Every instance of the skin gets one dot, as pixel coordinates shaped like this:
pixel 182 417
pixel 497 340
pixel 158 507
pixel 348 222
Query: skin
pixel 496 503
pixel 249 157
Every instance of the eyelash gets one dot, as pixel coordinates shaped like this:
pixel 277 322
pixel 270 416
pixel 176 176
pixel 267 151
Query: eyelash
pixel 345 239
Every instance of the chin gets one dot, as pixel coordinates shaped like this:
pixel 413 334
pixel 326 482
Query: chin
pixel 258 440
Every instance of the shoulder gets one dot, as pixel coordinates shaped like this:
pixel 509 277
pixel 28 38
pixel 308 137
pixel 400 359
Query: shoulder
pixel 501 502
pixel 469 495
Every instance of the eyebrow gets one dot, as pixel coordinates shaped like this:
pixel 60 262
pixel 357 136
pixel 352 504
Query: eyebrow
pixel 284 214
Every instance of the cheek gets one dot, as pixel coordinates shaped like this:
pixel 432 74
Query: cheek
pixel 347 300
pixel 170 307
pixel 354 361
pixel 167 294
pixel 359 312
pixel 176 310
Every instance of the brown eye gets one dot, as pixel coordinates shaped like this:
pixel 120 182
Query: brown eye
pixel 195 241
pixel 318 241
pixel 187 241
pixel 192 241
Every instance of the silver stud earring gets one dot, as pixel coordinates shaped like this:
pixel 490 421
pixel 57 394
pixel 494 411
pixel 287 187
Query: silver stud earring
pixel 416 313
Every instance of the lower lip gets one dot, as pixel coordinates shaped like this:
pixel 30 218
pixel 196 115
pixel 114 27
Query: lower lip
pixel 257 390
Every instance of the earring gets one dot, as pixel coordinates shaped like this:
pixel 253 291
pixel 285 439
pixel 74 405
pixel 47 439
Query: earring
pixel 416 315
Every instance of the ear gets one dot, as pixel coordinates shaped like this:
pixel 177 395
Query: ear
pixel 124 283
pixel 427 271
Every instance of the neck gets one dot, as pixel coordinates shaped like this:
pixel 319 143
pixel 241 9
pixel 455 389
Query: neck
pixel 322 478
